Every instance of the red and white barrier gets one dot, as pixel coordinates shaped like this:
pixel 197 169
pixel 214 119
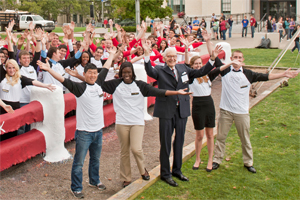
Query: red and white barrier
pixel 43 111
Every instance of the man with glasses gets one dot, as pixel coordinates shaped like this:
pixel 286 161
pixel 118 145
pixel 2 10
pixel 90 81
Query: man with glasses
pixel 173 111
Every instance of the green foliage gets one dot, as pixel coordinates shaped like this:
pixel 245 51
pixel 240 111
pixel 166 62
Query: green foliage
pixel 133 29
pixel 148 8
pixel 276 157
pixel 50 9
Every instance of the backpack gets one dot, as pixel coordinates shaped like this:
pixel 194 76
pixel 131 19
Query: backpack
pixel 255 25
pixel 283 25
pixel 265 43
pixel 227 25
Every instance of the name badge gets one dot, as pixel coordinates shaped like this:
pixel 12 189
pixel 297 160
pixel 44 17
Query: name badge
pixel 31 72
pixel 244 86
pixel 101 95
pixel 184 78
pixel 4 90
pixel 63 74
pixel 134 93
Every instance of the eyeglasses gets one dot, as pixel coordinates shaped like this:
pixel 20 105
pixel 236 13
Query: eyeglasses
pixel 171 56
pixel 2 56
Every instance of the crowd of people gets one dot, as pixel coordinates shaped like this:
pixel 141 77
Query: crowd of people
pixel 90 67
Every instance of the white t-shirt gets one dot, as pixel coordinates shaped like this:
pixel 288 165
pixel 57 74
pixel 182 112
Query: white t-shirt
pixel 29 72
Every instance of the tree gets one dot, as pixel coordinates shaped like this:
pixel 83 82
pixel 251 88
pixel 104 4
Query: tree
pixel 46 8
pixel 8 5
pixel 148 8
pixel 69 7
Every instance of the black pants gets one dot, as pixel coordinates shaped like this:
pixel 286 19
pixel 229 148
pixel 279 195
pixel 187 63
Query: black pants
pixel 14 105
pixel 166 129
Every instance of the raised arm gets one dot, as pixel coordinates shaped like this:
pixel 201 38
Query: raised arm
pixel 151 71
pixel 46 67
pixel 288 73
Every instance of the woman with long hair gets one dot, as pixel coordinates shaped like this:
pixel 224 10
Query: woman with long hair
pixel 11 86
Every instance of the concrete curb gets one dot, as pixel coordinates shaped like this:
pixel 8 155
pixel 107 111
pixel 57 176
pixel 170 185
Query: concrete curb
pixel 138 186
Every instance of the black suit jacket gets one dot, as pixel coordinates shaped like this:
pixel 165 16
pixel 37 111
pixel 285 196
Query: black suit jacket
pixel 165 107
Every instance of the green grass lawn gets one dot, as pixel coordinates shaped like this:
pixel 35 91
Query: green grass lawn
pixel 76 29
pixel 265 57
pixel 275 131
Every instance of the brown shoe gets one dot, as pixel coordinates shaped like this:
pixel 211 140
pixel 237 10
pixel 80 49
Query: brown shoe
pixel 126 183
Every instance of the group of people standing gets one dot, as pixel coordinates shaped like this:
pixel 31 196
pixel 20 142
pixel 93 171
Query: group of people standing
pixel 88 70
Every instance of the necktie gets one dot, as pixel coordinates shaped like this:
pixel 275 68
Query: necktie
pixel 173 73
pixel 176 80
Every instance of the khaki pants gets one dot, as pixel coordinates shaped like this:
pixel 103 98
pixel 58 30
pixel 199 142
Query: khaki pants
pixel 242 124
pixel 130 137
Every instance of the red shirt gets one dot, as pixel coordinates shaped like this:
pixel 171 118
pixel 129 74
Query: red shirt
pixel 252 21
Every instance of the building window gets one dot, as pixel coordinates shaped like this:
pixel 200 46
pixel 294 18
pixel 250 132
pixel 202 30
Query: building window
pixel 75 18
pixel 80 19
pixel 177 5
pixel 226 6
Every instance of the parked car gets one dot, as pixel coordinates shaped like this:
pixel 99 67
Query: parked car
pixel 23 19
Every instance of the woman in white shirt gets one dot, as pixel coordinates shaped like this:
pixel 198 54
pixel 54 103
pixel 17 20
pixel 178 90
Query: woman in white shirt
pixel 203 109
pixel 128 100
pixel 11 84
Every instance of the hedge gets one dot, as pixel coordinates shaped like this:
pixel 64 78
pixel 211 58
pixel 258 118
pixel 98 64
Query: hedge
pixel 133 29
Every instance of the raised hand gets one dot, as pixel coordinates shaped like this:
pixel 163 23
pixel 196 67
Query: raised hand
pixel 183 92
pixel 2 42
pixel 237 63
pixel 97 41
pixel 112 35
pixel 51 36
pixel 138 28
pixel 216 51
pixel 72 26
pixel 38 34
pixel 14 38
pixel 144 25
pixel 122 47
pixel 44 66
pixel 205 35
pixel 106 36
pixel 291 74
pixel 146 47
pixel 73 72
pixel 113 50
pixel 118 27
pixel 110 22
pixel 31 25
pixel 11 25
pixel 185 42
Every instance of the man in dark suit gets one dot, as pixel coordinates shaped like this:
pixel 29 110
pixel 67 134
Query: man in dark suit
pixel 173 110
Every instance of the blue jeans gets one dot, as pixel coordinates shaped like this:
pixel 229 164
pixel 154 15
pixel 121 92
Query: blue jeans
pixel 286 34
pixel 297 45
pixel 230 29
pixel 224 34
pixel 252 31
pixel 85 141
pixel 280 34
pixel 290 33
pixel 26 127
pixel 269 30
pixel 244 29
